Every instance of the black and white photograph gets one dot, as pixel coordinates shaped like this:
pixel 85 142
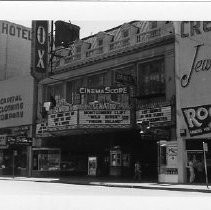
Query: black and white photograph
pixel 105 105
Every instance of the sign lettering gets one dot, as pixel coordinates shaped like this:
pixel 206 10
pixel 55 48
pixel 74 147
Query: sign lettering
pixel 198 119
pixel 11 107
pixel 155 116
pixel 103 117
pixel 197 66
pixel 40 63
pixel 40 46
pixel 104 90
pixel 16 31
pixel 191 28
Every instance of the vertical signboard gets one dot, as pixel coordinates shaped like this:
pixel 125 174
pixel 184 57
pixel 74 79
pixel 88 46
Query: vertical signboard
pixel 39 47
pixel 193 76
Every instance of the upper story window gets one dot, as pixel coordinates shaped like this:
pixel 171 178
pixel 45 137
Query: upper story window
pixel 56 91
pixel 72 91
pixel 125 33
pixel 100 42
pixel 95 81
pixel 78 49
pixel 153 24
pixel 152 79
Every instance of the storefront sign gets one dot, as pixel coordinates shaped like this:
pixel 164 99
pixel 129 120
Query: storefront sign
pixel 156 117
pixel 198 119
pixel 16 102
pixel 104 117
pixel 19 140
pixel 11 107
pixel 104 90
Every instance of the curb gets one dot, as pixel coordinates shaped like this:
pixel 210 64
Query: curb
pixel 102 183
pixel 138 187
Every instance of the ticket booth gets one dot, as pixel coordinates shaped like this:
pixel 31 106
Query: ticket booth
pixel 167 162
pixel 92 166
pixel 116 161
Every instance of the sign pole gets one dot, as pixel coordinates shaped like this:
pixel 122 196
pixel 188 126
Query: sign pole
pixel 205 148
pixel 13 164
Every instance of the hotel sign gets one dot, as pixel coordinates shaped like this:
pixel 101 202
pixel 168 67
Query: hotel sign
pixel 159 116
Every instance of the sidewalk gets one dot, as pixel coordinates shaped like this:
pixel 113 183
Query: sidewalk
pixel 114 182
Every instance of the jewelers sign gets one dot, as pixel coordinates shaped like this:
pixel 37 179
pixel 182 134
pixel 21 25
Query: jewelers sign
pixel 193 76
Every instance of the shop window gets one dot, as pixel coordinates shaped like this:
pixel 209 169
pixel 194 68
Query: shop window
pixel 46 160
pixel 152 79
pixel 153 24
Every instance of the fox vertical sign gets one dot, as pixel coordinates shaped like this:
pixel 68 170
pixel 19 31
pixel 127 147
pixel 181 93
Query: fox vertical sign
pixel 39 48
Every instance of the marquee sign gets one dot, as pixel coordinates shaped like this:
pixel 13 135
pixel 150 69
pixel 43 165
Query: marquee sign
pixel 62 121
pixel 198 119
pixel 104 117
pixel 104 90
pixel 158 116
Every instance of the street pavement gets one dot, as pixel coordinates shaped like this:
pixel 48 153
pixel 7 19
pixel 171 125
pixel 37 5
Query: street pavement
pixel 91 193
pixel 117 182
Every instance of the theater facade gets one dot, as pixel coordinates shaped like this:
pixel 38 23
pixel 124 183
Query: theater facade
pixel 108 101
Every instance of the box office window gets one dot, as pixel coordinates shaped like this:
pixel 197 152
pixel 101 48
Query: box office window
pixel 152 79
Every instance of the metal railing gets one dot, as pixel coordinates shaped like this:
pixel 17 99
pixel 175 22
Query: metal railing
pixel 115 45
